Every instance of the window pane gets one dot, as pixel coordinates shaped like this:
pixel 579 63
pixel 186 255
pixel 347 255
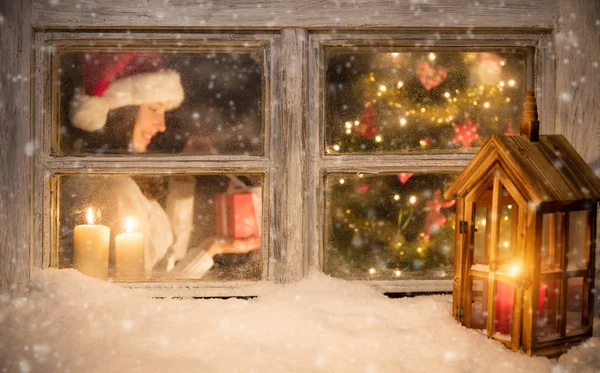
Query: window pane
pixel 161 227
pixel 552 247
pixel 479 301
pixel 507 226
pixel 481 235
pixel 413 101
pixel 169 102
pixel 578 248
pixel 548 323
pixel 575 305
pixel 388 226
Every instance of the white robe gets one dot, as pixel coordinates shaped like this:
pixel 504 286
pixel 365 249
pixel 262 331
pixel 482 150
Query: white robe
pixel 166 231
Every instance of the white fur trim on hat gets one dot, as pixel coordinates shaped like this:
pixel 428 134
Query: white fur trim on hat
pixel 89 113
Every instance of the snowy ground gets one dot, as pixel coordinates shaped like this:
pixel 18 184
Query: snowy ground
pixel 71 323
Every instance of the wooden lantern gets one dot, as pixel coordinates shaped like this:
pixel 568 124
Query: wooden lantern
pixel 525 241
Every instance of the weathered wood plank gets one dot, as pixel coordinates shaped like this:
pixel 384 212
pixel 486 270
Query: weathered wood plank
pixel 315 200
pixel 577 76
pixel 290 13
pixel 15 148
pixel 293 214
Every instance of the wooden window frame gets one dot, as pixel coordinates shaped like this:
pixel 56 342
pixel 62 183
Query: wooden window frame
pixel 51 164
pixel 294 163
pixel 539 78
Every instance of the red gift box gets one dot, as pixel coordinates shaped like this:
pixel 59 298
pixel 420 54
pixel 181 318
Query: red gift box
pixel 235 215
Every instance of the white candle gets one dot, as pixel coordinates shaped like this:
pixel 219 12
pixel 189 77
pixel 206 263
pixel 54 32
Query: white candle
pixel 129 248
pixel 90 248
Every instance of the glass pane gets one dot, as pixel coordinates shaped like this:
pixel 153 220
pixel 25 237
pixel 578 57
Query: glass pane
pixel 575 305
pixel 414 101
pixel 388 226
pixel 548 323
pixel 505 299
pixel 507 226
pixel 168 102
pixel 578 248
pixel 481 235
pixel 479 301
pixel 552 247
pixel 138 228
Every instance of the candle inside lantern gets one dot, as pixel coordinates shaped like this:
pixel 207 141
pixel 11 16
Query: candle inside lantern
pixel 129 248
pixel 90 247
pixel 505 294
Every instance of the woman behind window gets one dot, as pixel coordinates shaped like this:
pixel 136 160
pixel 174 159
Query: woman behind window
pixel 120 110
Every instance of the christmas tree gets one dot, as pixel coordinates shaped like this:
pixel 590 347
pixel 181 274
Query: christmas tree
pixel 398 225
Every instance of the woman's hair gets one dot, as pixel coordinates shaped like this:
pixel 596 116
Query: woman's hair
pixel 113 138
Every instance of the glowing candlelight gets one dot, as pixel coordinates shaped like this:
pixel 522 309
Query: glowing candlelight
pixel 129 249
pixel 90 247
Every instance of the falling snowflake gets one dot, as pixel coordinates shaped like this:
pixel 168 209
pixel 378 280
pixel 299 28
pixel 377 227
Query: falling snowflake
pixel 565 96
pixel 127 324
pixel 31 147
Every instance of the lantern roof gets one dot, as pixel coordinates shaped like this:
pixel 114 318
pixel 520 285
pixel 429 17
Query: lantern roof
pixel 544 171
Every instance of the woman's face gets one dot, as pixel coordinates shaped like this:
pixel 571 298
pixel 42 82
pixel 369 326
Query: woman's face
pixel 150 120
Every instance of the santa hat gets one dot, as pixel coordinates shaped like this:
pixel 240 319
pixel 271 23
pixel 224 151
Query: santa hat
pixel 113 80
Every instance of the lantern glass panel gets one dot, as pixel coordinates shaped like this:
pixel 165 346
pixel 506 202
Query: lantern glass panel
pixel 548 323
pixel 578 246
pixel 552 248
pixel 505 298
pixel 479 302
pixel 574 305
pixel 480 236
pixel 507 226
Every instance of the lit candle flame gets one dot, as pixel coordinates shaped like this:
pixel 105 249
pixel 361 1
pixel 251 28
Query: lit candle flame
pixel 129 224
pixel 514 269
pixel 90 216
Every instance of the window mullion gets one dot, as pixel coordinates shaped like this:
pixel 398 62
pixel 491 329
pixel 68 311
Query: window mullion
pixel 289 181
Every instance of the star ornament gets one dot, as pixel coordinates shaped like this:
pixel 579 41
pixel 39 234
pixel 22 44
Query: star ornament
pixel 467 133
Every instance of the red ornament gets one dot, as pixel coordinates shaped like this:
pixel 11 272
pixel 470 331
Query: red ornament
pixel 362 188
pixel 425 142
pixel 435 219
pixel 509 131
pixel 366 126
pixel 430 76
pixel 404 176
pixel 466 133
